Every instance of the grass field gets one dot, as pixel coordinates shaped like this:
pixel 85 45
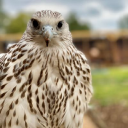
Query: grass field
pixel 110 85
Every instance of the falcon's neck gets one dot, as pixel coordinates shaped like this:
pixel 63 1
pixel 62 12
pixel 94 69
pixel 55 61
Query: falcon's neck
pixel 24 51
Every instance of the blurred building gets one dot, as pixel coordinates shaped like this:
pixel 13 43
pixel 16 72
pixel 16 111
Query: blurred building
pixel 103 48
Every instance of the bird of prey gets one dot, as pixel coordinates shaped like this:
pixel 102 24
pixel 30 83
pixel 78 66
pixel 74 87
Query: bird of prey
pixel 45 82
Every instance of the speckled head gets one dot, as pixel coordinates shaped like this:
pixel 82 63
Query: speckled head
pixel 49 29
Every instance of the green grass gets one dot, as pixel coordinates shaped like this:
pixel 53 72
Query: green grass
pixel 110 85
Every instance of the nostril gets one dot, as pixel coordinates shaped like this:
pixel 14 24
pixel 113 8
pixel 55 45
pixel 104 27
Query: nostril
pixel 47 28
pixel 43 28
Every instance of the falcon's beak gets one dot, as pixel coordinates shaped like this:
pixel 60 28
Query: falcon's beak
pixel 48 33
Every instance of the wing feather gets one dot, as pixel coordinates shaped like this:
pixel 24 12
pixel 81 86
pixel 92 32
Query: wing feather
pixel 2 59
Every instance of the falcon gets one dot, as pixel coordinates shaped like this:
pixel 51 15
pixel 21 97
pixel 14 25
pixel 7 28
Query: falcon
pixel 45 82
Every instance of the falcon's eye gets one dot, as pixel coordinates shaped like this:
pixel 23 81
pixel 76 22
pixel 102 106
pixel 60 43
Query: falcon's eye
pixel 60 24
pixel 35 23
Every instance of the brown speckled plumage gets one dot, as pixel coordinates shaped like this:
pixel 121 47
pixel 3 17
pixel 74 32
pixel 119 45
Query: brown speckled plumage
pixel 44 86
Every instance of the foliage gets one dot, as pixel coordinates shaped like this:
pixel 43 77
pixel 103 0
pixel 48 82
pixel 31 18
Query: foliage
pixel 123 23
pixel 3 17
pixel 110 85
pixel 74 23
pixel 18 24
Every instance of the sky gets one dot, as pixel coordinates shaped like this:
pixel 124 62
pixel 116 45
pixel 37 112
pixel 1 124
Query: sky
pixel 101 14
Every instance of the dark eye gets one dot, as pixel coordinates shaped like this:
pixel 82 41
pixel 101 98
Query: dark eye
pixel 60 24
pixel 35 23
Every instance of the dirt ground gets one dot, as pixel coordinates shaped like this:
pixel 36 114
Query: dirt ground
pixel 88 123
pixel 114 116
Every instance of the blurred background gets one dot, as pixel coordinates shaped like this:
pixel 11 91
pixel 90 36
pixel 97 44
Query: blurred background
pixel 100 30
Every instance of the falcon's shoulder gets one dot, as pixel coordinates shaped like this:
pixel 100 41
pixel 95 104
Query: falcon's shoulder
pixel 85 77
pixel 2 59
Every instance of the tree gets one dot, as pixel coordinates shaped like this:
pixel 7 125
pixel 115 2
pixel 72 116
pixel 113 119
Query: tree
pixel 74 24
pixel 123 23
pixel 3 18
pixel 18 24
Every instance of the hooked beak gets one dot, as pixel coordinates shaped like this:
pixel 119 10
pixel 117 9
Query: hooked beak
pixel 48 33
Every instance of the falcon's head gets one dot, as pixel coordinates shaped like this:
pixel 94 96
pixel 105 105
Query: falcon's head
pixel 48 29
